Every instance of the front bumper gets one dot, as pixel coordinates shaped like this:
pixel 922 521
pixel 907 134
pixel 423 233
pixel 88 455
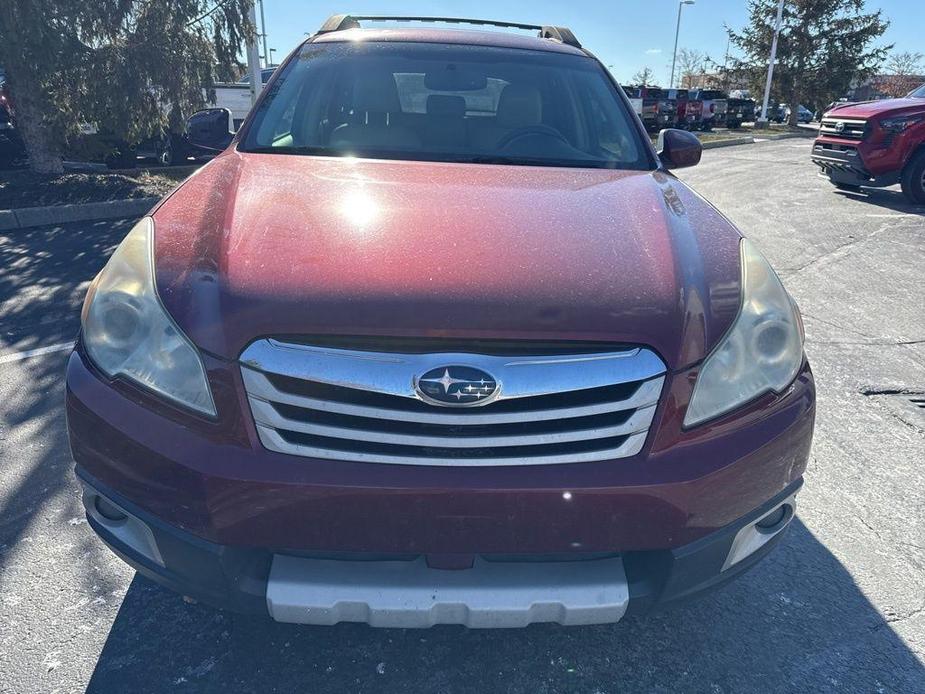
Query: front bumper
pixel 219 508
pixel 407 592
pixel 844 162
pixel 216 481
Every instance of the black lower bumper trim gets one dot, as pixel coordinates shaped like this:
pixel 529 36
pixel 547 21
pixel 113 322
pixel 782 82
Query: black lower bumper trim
pixel 235 578
pixel 670 577
pixel 226 577
pixel 843 164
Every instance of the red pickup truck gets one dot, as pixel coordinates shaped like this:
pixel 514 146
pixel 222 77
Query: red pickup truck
pixel 875 143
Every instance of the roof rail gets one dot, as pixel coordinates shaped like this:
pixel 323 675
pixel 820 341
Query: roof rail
pixel 342 22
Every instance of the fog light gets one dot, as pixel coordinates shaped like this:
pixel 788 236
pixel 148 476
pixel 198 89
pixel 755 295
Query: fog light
pixel 754 536
pixel 773 519
pixel 108 510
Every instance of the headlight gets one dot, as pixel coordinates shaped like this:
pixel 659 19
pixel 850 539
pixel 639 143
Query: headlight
pixel 762 351
pixel 127 332
pixel 897 125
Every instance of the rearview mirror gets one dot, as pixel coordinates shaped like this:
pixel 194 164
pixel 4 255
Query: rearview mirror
pixel 210 129
pixel 678 148
pixel 453 79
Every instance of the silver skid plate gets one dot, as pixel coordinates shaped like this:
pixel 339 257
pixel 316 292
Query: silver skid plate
pixel 410 594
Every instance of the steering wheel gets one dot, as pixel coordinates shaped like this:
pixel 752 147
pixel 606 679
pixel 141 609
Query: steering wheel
pixel 526 131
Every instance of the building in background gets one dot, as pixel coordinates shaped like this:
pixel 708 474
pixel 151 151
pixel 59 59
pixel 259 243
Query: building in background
pixel 884 87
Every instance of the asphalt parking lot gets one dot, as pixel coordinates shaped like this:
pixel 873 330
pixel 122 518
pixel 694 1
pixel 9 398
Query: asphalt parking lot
pixel 840 606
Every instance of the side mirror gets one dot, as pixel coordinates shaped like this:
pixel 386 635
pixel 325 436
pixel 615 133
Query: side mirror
pixel 209 129
pixel 678 148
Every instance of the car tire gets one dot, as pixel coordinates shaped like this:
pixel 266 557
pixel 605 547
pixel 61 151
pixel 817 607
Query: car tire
pixel 913 178
pixel 180 150
pixel 165 153
pixel 121 158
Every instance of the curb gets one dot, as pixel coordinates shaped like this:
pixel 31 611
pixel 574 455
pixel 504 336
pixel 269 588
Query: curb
pixel 759 136
pixel 786 136
pixel 178 169
pixel 27 217
pixel 731 142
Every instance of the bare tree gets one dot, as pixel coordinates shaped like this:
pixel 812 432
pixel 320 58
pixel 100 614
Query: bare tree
pixel 903 73
pixel 644 76
pixel 691 64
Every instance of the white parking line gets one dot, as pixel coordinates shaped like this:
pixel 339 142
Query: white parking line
pixel 39 351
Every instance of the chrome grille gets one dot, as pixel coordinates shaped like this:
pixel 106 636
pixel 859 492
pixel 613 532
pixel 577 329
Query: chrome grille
pixel 361 406
pixel 843 127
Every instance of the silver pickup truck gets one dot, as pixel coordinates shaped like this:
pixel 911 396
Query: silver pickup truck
pixel 653 106
pixel 236 96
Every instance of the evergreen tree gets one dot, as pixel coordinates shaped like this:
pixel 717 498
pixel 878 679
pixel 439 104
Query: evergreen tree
pixel 824 47
pixel 129 67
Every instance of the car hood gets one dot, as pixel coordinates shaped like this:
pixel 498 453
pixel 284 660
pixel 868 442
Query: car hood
pixel 257 245
pixel 867 109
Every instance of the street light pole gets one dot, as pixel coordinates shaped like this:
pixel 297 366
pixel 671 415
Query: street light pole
pixel 263 28
pixel 253 56
pixel 677 30
pixel 763 121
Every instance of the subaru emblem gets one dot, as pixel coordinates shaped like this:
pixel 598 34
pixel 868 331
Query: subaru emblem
pixel 457 386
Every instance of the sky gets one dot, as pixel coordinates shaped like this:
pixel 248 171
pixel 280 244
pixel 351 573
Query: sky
pixel 625 35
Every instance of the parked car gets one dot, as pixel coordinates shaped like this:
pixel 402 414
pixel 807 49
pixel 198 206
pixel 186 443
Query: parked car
pixel 689 111
pixel 653 106
pixel 739 111
pixel 804 115
pixel 265 75
pixel 12 148
pixel 236 96
pixel 168 148
pixel 209 131
pixel 715 106
pixel 438 340
pixel 214 127
pixel 875 143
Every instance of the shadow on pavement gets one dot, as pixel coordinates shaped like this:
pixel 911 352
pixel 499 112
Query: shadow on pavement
pixel 882 197
pixel 44 273
pixel 798 622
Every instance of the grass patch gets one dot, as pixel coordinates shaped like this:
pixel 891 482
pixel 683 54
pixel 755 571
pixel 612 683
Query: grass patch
pixel 712 136
pixel 774 128
pixel 22 188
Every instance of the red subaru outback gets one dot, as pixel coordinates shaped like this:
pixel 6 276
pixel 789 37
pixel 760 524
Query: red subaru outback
pixel 439 338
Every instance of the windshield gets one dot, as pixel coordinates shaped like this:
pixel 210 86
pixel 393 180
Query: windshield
pixel 436 102
pixel 918 93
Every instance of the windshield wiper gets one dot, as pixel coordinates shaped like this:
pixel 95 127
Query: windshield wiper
pixel 421 156
pixel 538 161
pixel 292 149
